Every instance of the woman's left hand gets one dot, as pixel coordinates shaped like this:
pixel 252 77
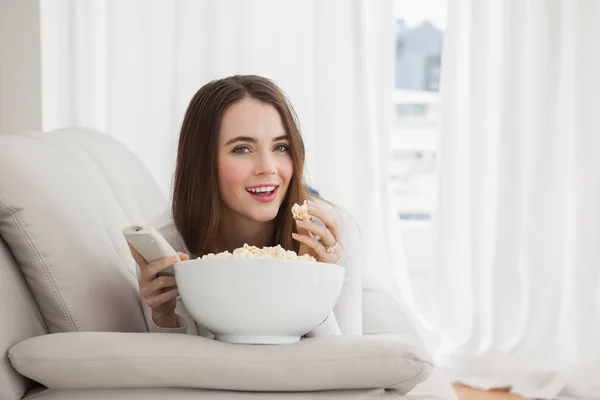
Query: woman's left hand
pixel 328 247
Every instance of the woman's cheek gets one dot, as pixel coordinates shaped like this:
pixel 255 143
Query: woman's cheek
pixel 287 170
pixel 232 174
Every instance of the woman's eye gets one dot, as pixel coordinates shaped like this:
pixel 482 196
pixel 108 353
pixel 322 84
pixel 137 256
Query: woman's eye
pixel 282 147
pixel 241 150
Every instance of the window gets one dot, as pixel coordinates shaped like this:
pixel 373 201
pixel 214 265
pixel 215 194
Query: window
pixel 414 137
pixel 419 36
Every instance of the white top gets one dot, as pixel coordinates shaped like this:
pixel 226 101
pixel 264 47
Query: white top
pixel 346 317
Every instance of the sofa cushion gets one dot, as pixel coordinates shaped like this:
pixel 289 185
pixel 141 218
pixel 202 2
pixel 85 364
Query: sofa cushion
pixel 63 205
pixel 112 360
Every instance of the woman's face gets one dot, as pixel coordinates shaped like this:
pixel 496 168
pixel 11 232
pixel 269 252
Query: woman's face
pixel 255 165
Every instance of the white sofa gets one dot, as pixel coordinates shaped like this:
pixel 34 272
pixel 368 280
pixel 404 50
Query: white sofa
pixel 71 325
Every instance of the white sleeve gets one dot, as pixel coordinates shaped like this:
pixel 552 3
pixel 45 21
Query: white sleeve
pixel 348 309
pixel 329 327
pixel 181 322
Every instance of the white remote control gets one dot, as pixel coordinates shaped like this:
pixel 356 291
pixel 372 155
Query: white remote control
pixel 150 244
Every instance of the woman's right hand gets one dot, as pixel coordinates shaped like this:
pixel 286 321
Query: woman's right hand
pixel 159 291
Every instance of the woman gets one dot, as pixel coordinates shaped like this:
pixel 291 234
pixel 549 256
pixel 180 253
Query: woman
pixel 239 171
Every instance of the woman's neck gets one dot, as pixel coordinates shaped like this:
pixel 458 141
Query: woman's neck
pixel 235 231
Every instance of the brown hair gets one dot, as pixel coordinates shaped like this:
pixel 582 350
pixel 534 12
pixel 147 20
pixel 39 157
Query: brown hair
pixel 196 202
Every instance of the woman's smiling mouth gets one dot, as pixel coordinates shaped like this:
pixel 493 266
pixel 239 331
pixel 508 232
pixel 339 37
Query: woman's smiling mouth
pixel 263 193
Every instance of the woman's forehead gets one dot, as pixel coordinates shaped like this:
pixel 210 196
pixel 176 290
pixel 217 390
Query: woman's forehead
pixel 251 118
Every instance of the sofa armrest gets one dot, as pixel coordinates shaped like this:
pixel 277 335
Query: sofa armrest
pixel 384 314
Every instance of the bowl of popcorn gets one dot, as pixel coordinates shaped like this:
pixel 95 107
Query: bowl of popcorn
pixel 254 295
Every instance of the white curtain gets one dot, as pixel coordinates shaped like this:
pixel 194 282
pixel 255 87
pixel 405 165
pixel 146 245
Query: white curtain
pixel 518 227
pixel 129 68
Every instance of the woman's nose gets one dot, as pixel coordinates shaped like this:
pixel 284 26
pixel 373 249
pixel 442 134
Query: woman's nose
pixel 265 165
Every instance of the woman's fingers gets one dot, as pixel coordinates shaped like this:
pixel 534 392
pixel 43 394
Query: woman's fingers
pixel 159 299
pixel 318 248
pixel 150 282
pixel 150 271
pixel 157 285
pixel 323 232
pixel 325 217
pixel 159 290
pixel 319 238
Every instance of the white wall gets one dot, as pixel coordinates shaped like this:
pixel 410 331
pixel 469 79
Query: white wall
pixel 20 65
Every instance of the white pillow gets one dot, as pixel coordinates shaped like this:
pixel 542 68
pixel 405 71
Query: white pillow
pixel 114 360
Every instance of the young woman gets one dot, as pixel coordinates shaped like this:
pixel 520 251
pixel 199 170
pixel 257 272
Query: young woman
pixel 239 171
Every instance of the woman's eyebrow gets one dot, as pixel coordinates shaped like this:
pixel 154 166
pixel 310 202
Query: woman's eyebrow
pixel 252 139
pixel 241 139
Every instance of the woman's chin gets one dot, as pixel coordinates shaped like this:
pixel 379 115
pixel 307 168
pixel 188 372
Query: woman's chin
pixel 263 215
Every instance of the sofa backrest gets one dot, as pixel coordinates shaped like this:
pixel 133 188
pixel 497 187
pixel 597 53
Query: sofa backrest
pixel 65 197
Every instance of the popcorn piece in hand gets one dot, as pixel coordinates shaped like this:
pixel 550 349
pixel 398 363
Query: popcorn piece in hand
pixel 301 212
pixel 247 251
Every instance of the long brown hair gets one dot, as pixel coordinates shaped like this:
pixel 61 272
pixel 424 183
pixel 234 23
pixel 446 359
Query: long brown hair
pixel 196 202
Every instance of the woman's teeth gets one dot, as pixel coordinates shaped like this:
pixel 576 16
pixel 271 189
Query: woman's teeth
pixel 263 191
pixel 266 189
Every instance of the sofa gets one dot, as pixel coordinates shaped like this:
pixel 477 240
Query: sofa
pixel 71 320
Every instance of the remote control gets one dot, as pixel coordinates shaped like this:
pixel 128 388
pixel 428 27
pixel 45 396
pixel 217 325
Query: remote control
pixel 149 244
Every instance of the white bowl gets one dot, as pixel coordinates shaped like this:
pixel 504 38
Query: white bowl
pixel 258 301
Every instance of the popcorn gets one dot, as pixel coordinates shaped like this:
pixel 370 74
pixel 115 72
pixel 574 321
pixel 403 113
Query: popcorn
pixel 301 212
pixel 247 251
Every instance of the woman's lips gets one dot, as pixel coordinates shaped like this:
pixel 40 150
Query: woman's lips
pixel 262 197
